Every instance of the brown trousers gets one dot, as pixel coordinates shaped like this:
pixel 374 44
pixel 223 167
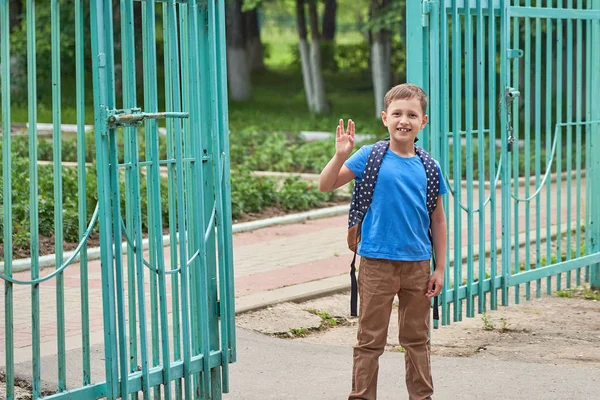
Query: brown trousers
pixel 378 282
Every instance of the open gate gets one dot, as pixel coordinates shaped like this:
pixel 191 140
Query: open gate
pixel 161 319
pixel 515 123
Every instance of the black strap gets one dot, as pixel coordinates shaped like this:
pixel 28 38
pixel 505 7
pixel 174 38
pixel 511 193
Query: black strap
pixel 436 311
pixel 353 288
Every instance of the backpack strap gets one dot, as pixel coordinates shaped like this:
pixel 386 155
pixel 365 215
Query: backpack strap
pixel 433 191
pixel 361 201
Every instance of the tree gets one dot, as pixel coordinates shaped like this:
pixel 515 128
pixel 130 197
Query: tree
pixel 381 53
pixel 310 55
pixel 254 45
pixel 329 16
pixel 238 68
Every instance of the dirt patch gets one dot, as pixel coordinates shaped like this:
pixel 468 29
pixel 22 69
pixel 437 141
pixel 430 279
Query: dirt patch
pixel 553 329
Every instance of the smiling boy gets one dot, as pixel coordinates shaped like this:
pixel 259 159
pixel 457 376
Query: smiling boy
pixel 395 245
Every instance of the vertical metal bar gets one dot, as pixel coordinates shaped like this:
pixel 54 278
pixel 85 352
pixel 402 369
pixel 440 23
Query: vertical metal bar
pixel 527 153
pixel 173 102
pixel 81 190
pixel 588 133
pixel 198 179
pixel 183 207
pixel 493 109
pixel 415 49
pixel 515 152
pixel 149 57
pixel 208 137
pixel 549 99
pixel 558 159
pixel 578 117
pixel 569 168
pixel 102 100
pixel 594 149
pixel 33 197
pixel 119 336
pixel 481 83
pixel 538 147
pixel 445 152
pixel 226 281
pixel 7 198
pixel 456 146
pixel 58 202
pixel 469 155
pixel 154 201
pixel 506 181
pixel 131 176
pixel 434 78
pixel 191 204
pixel 118 259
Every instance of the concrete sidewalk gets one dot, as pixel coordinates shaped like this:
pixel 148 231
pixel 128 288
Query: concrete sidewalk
pixel 286 263
pixel 294 370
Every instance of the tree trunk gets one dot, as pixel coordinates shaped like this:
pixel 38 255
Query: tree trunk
pixel 15 9
pixel 304 53
pixel 254 45
pixel 329 15
pixel 238 70
pixel 380 60
pixel 320 100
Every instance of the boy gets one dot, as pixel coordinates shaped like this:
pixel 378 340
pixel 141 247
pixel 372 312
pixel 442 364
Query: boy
pixel 395 248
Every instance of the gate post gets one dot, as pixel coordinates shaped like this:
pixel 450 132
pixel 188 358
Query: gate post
pixel 417 20
pixel 593 154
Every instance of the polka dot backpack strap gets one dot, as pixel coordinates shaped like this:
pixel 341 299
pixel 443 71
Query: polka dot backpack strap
pixel 433 178
pixel 363 190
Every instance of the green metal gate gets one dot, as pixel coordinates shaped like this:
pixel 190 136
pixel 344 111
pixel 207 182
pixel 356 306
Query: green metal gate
pixel 166 321
pixel 515 123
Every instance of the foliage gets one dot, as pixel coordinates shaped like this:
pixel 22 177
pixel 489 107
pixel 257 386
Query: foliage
pixel 296 194
pixel 43 46
pixel 251 194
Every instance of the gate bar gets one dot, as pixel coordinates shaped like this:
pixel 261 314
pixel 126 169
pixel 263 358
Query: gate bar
pixel 578 138
pixel 549 96
pixel 594 148
pixel 33 197
pixel 7 197
pixel 82 189
pixel 554 13
pixel 173 102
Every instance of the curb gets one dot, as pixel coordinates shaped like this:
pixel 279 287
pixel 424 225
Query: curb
pixel 93 253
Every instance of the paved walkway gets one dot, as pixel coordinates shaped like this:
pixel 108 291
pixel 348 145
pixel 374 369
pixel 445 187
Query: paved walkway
pixel 278 263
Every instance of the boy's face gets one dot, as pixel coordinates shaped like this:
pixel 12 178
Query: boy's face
pixel 404 118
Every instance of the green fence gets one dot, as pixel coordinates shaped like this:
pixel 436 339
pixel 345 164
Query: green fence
pixel 516 127
pixel 156 321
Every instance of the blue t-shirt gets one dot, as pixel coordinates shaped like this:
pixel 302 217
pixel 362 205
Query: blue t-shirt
pixel 396 224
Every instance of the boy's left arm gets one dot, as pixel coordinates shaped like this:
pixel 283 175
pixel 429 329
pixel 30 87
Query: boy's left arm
pixel 438 235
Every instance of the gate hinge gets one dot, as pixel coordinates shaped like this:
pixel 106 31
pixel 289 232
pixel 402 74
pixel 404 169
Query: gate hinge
pixel 514 53
pixel 134 117
pixel 427 9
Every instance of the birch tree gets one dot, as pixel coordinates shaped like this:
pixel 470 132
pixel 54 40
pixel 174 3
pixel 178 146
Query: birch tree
pixel 381 56
pixel 238 70
pixel 310 56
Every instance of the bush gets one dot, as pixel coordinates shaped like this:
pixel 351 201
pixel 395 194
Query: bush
pixel 297 194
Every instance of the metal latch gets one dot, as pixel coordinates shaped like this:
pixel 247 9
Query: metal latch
pixel 515 53
pixel 511 95
pixel 427 8
pixel 134 117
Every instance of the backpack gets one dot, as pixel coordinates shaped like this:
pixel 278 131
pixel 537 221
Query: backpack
pixel 361 201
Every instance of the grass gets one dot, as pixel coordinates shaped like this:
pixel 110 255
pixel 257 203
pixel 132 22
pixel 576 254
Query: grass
pixel 584 292
pixel 278 104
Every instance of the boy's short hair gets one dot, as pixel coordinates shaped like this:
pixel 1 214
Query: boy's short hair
pixel 405 91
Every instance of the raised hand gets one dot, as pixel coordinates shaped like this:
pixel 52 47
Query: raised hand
pixel 344 139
